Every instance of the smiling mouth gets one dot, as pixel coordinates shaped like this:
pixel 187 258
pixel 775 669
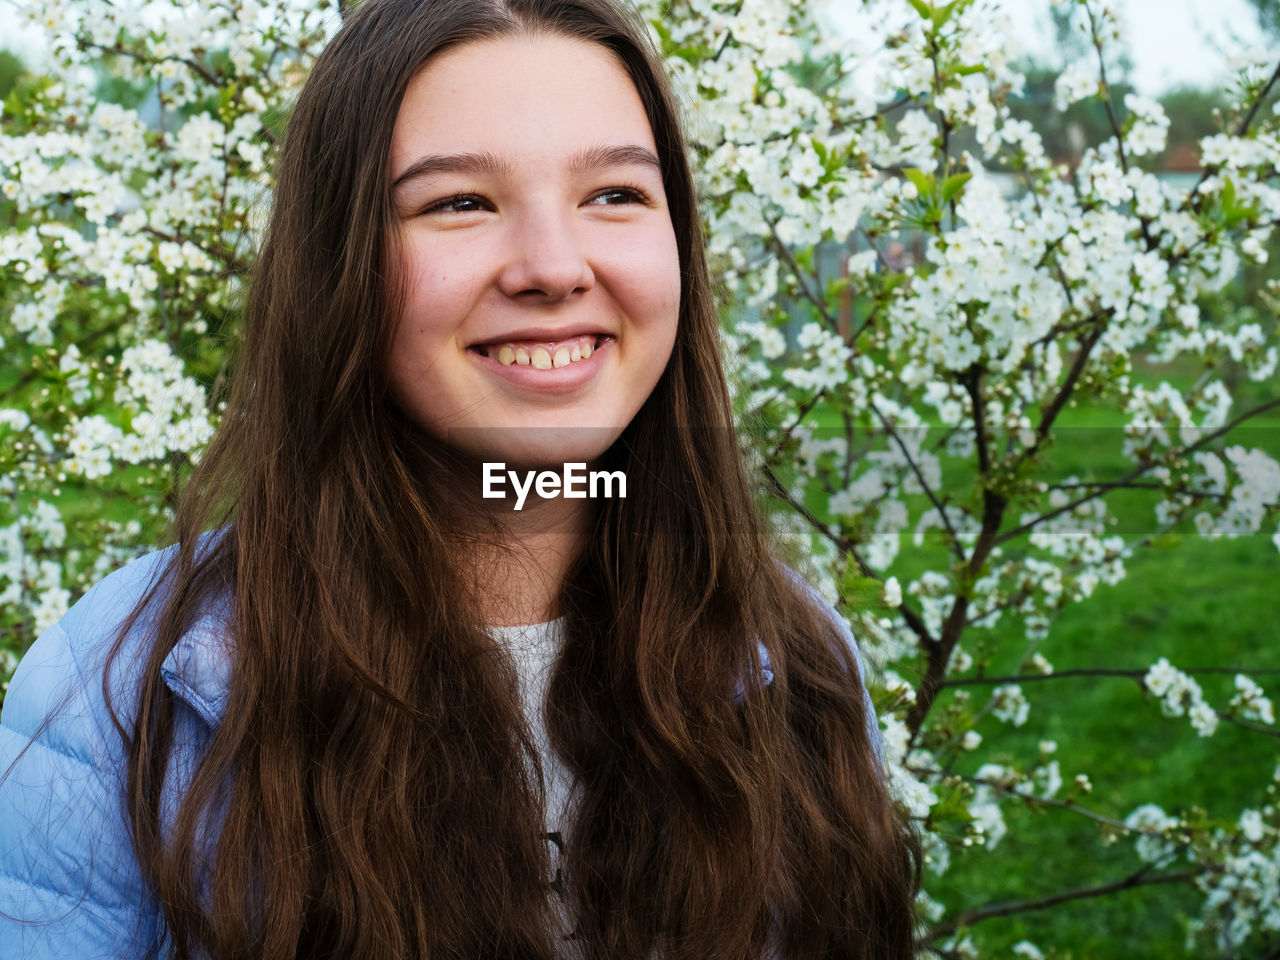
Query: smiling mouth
pixel 543 355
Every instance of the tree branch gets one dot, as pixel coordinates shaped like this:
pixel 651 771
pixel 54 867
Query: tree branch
pixel 1243 127
pixel 885 110
pixel 225 257
pixel 1248 725
pixel 1140 878
pixel 889 428
pixel 938 654
pixel 1010 790
pixel 1058 330
pixel 813 298
pixel 1049 414
pixel 199 68
pixel 880 257
pixel 839 125
pixel 1106 90
pixel 801 413
pixel 1134 674
pixel 1057 267
pixel 1105 485
pixel 845 545
pixel 1257 103
pixel 1140 469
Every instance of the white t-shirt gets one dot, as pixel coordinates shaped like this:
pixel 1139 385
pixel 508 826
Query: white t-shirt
pixel 534 648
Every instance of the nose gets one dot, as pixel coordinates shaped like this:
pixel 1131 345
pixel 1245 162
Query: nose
pixel 547 260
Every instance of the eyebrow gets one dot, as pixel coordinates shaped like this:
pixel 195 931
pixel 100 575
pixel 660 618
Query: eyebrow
pixel 592 158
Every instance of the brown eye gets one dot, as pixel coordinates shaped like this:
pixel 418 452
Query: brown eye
pixel 459 203
pixel 615 196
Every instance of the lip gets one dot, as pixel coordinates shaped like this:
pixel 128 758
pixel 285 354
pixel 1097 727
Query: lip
pixel 543 334
pixel 556 380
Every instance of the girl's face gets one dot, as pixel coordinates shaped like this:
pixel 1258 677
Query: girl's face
pixel 541 276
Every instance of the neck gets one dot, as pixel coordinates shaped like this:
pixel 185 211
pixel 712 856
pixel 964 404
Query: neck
pixel 512 563
pixel 516 575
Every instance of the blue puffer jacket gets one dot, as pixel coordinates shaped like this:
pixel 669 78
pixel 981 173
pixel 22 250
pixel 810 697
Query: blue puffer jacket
pixel 70 886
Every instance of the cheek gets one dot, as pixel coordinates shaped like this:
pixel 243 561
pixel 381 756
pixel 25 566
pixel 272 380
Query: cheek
pixel 427 282
pixel 427 325
pixel 441 279
pixel 437 298
pixel 650 282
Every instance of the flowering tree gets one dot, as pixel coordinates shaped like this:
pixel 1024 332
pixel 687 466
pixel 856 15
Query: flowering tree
pixel 912 394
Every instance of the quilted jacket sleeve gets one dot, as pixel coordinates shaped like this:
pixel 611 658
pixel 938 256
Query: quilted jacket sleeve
pixel 873 722
pixel 69 883
pixel 837 621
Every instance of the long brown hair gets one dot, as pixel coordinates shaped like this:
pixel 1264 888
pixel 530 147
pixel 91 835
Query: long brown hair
pixel 369 789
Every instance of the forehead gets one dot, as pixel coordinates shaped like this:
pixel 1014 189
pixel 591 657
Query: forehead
pixel 531 99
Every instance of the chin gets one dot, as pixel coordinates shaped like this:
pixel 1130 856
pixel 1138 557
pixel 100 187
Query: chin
pixel 534 448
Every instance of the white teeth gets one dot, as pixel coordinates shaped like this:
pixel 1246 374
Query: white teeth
pixel 541 356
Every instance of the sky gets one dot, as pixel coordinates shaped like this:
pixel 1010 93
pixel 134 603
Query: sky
pixel 1172 42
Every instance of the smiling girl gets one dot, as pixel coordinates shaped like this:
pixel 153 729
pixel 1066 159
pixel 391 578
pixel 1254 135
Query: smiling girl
pixel 359 710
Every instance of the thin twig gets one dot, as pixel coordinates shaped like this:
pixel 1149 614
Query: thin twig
pixel 846 546
pixel 1140 469
pixel 221 254
pixel 1243 127
pixel 1134 674
pixel 813 298
pixel 938 653
pixel 1057 267
pixel 1140 878
pixel 1106 90
pixel 957 549
pixel 1058 330
pixel 1011 790
pixel 880 257
pixel 801 413
pixel 1049 414
pixel 203 71
pixel 1247 725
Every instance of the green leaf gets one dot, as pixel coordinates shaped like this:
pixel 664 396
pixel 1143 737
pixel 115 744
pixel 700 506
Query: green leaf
pixel 952 806
pixel 953 186
pixel 837 159
pixel 1234 212
pixel 969 70
pixel 942 14
pixel 922 181
pixel 1239 214
pixel 889 282
pixel 922 8
pixel 861 593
